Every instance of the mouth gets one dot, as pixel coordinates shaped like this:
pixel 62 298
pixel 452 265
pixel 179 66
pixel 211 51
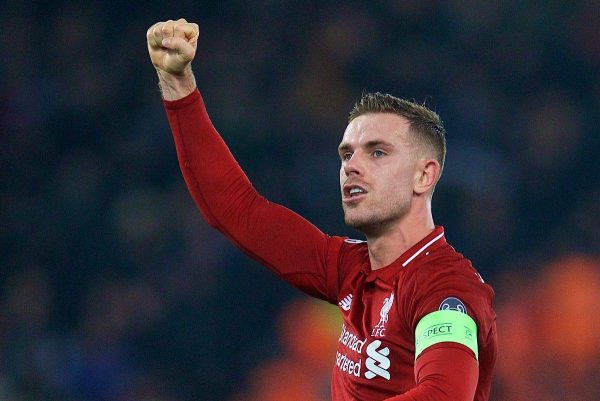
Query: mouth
pixel 353 193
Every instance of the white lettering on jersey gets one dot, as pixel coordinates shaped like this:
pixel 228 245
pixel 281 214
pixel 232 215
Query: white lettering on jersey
pixel 347 365
pixel 351 340
pixel 377 362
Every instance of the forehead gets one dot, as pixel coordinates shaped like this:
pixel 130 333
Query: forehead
pixel 376 126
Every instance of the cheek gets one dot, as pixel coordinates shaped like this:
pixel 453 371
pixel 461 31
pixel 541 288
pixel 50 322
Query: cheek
pixel 399 183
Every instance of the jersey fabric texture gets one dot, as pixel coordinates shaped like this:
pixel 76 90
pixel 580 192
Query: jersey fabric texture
pixel 381 309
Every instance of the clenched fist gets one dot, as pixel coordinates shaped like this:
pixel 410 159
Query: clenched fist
pixel 172 45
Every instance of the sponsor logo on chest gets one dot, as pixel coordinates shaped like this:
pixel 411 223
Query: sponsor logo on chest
pixel 377 363
pixel 366 357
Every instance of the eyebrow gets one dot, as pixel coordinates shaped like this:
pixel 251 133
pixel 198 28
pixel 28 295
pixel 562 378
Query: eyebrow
pixel 344 146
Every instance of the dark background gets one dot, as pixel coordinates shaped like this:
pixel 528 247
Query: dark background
pixel 113 288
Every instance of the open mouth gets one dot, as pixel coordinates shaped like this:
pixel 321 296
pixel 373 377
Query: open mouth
pixel 352 192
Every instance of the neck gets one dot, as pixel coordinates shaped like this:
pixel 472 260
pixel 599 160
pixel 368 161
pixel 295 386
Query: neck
pixel 386 247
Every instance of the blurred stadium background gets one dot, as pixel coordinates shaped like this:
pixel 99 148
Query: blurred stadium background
pixel 113 288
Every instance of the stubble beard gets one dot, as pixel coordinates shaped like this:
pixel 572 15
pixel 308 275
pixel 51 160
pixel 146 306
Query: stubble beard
pixel 374 221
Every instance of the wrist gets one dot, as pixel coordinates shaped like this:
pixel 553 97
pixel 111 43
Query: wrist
pixel 176 86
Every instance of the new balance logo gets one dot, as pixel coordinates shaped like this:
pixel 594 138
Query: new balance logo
pixel 377 362
pixel 346 302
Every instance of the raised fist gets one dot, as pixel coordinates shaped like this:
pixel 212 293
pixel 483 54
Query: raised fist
pixel 172 45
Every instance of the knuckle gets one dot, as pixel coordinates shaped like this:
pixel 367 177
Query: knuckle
pixel 150 30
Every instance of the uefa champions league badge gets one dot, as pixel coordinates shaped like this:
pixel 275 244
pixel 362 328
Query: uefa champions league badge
pixel 453 303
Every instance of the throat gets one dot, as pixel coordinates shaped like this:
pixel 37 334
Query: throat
pixel 382 253
pixel 385 249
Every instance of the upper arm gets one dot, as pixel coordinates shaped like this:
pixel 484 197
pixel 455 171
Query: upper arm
pixel 449 304
pixel 447 371
pixel 289 245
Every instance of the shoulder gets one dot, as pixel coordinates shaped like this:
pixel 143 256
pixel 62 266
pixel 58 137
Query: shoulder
pixel 351 250
pixel 444 267
pixel 446 280
pixel 346 258
pixel 354 256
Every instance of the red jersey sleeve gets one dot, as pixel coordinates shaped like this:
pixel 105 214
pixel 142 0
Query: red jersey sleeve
pixel 286 243
pixel 451 282
pixel 443 372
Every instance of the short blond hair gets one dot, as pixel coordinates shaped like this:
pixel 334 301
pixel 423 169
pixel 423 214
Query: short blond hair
pixel 426 127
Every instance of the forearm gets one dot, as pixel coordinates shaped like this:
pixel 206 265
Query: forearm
pixel 209 169
pixel 275 236
pixel 270 233
pixel 176 86
pixel 444 373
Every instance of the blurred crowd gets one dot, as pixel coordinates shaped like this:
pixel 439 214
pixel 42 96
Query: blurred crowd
pixel 113 289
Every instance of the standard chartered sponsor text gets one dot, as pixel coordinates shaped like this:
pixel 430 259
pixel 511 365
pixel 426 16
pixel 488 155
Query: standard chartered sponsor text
pixel 351 341
pixel 377 363
pixel 348 365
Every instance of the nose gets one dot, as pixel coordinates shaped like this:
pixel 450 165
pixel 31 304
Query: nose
pixel 353 165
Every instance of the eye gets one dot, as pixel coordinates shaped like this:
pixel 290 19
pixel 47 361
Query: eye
pixel 346 156
pixel 378 153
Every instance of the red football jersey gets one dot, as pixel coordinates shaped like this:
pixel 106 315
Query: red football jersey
pixel 376 350
pixel 381 309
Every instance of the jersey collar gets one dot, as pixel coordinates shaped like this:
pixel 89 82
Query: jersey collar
pixel 433 240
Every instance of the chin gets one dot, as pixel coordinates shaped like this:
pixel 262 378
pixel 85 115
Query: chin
pixel 359 223
pixel 369 229
pixel 372 224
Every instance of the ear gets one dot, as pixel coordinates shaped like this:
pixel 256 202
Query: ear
pixel 428 172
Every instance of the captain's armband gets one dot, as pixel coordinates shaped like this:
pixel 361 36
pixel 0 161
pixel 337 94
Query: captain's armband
pixel 446 326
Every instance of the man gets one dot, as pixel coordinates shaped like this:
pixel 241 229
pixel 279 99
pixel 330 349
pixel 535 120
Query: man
pixel 418 319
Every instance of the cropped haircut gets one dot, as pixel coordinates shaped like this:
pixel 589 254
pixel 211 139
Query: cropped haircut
pixel 426 127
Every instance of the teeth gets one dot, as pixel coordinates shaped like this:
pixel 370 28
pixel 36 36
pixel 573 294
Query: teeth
pixel 355 191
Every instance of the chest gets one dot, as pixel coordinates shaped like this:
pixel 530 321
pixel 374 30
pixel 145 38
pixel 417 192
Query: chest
pixel 374 344
pixel 371 309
